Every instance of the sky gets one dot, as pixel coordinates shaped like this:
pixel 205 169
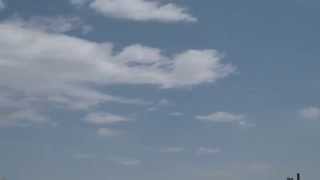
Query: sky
pixel 159 89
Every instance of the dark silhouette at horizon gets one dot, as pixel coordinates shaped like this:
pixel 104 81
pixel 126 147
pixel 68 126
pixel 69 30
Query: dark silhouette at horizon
pixel 292 178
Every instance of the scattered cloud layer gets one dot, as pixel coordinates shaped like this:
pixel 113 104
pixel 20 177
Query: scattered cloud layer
pixel 140 10
pixel 43 68
pixel 225 117
pixel 312 113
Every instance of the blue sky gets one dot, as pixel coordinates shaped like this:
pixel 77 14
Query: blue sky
pixel 159 89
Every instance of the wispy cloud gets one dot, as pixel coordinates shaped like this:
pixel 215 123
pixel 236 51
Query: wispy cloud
pixel 226 118
pixel 234 170
pixel 312 113
pixel 108 132
pixel 176 114
pixel 105 118
pixel 101 119
pixel 160 104
pixel 172 149
pixel 20 111
pixel 83 156
pixel 134 162
pixel 2 5
pixel 139 10
pixel 52 24
pixel 126 161
pixel 207 151
pixel 221 117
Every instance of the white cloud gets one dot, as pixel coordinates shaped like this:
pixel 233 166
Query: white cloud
pixel 138 54
pixel 141 10
pixel 108 132
pixel 207 151
pixel 172 149
pixel 227 118
pixel 61 59
pixel 42 69
pixel 105 119
pixel 311 112
pixel 2 5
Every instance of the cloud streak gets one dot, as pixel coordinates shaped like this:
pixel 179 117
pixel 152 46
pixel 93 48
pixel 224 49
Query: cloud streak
pixel 105 119
pixel 225 118
pixel 172 149
pixel 22 118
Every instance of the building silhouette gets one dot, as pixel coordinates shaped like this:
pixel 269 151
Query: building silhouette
pixel 292 178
